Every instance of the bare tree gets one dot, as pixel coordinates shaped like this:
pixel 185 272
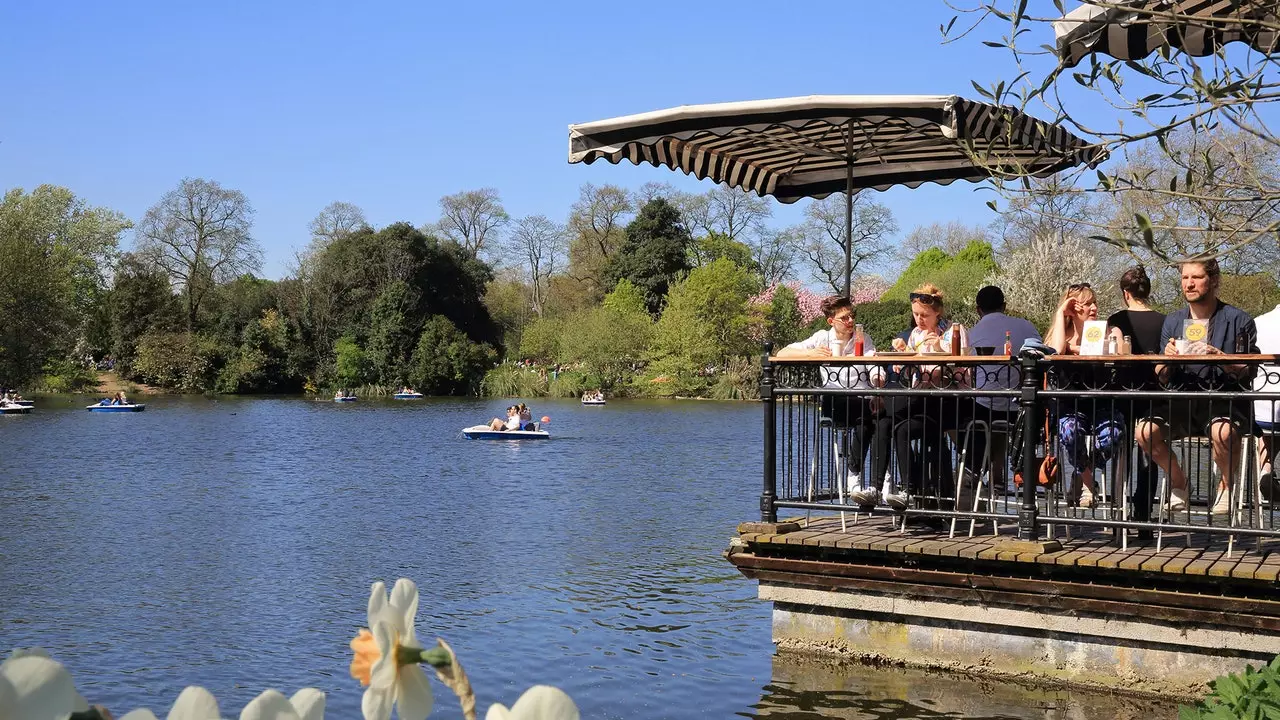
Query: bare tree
pixel 734 213
pixel 336 220
pixel 596 223
pixel 1034 275
pixel 541 245
pixel 199 234
pixel 821 238
pixel 775 253
pixel 949 237
pixel 472 218
pixel 1167 98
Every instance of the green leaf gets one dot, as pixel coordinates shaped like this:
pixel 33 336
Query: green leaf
pixel 994 44
pixel 953 22
pixel 992 204
pixel 1173 184
pixel 1022 10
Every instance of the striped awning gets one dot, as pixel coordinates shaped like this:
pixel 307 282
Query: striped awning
pixel 813 146
pixel 1196 27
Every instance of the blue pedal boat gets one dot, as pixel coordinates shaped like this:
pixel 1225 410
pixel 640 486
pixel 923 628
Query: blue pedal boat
pixel 407 396
pixel 10 408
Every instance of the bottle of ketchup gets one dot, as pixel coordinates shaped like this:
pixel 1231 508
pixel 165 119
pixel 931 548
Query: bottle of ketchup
pixel 858 341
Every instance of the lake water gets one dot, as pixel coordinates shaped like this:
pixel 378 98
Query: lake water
pixel 231 543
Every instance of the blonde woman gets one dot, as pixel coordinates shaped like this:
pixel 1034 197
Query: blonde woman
pixel 1079 419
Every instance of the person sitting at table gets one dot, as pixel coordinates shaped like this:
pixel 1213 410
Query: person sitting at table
pixel 1229 330
pixel 1080 419
pixel 855 412
pixel 988 336
pixel 926 419
pixel 1136 331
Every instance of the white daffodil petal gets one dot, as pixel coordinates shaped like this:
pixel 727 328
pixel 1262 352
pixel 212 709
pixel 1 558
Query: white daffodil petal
pixel 140 714
pixel 383 673
pixel 377 602
pixel 376 704
pixel 544 702
pixel 498 711
pixel 413 694
pixel 270 705
pixel 194 703
pixel 42 688
pixel 309 704
pixel 8 696
pixel 404 598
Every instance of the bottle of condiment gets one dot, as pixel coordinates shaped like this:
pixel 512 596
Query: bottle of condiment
pixel 1128 346
pixel 1241 349
pixel 858 340
pixel 956 329
pixel 1112 347
pixel 1008 342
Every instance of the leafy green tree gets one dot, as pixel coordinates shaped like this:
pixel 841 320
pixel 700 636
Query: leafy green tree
pixel 390 334
pixel 180 361
pixel 606 341
pixel 625 297
pixel 509 302
pixel 653 254
pixel 447 362
pixel 783 322
pixel 713 246
pixel 706 318
pixel 352 364
pixel 55 252
pixel 1255 294
pixel 541 340
pixel 261 364
pixel 140 301
pixel 883 320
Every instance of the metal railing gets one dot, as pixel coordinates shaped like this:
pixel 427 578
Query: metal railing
pixel 947 441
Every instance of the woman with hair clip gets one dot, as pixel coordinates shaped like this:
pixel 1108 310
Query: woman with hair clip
pixel 1080 419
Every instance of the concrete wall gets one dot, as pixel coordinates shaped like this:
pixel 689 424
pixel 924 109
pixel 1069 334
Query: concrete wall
pixel 1157 658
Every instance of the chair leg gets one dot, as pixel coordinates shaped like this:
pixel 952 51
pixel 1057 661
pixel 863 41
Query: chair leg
pixel 965 437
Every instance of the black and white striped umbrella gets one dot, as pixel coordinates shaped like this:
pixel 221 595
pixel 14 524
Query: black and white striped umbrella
pixel 1133 29
pixel 813 146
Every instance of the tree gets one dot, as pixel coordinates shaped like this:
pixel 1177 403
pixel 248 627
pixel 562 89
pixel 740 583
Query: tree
pixel 507 299
pixel 774 252
pixel 706 319
pixel 336 220
pixel 447 362
pixel 352 366
pixel 595 232
pixel 1034 276
pixel 821 238
pixel 141 301
pixel 606 341
pixel 1166 98
pixel 55 254
pixel 390 333
pixel 540 244
pixel 654 253
pixel 199 234
pixel 949 237
pixel 472 218
pixel 625 297
pixel 713 246
pixel 783 323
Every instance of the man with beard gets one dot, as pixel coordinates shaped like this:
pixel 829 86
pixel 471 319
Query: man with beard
pixel 1230 330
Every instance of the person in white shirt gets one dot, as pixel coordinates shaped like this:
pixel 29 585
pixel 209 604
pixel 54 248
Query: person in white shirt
pixel 1266 413
pixel 988 337
pixel 855 412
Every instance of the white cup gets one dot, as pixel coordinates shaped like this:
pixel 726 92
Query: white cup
pixel 837 347
pixel 1180 344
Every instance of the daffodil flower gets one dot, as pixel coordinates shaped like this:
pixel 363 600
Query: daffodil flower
pixel 387 656
pixel 540 702
pixel 306 704
pixel 193 703
pixel 35 687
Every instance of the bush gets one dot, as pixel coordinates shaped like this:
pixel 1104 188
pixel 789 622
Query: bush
pixel 1251 694
pixel 740 380
pixel 571 384
pixel 884 319
pixel 66 376
pixel 513 381
pixel 180 361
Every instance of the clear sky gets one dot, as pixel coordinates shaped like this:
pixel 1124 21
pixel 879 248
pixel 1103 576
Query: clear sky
pixel 390 105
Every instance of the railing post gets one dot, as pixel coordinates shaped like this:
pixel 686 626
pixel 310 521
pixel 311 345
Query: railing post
pixel 1028 527
pixel 768 512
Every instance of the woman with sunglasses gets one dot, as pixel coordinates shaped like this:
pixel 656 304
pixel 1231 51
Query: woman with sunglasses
pixel 1081 419
pixel 927 471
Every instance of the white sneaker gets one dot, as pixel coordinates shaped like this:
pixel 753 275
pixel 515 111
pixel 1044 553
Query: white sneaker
pixel 869 497
pixel 896 500
pixel 1222 505
pixel 1087 500
pixel 853 483
pixel 1177 500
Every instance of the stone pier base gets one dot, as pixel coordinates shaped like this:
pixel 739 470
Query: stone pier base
pixel 1067 647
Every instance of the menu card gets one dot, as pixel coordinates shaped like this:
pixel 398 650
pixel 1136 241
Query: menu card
pixel 1094 339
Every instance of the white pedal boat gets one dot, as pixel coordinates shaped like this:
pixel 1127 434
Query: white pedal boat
pixel 484 432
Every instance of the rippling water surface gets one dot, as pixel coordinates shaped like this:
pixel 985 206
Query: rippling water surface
pixel 230 543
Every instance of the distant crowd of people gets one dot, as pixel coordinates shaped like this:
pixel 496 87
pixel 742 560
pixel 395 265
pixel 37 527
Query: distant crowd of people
pixel 1089 432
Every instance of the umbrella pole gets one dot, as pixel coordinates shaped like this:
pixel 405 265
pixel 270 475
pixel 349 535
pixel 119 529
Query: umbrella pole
pixel 848 226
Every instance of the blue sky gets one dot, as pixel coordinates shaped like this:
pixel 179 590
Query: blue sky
pixel 392 105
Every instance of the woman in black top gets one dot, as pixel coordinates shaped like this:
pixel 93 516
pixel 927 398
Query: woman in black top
pixel 1142 326
pixel 1137 321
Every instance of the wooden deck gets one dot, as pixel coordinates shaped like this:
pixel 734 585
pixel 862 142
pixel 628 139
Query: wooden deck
pixel 874 537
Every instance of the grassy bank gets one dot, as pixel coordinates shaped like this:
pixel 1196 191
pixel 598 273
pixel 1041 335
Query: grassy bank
pixel 739 379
